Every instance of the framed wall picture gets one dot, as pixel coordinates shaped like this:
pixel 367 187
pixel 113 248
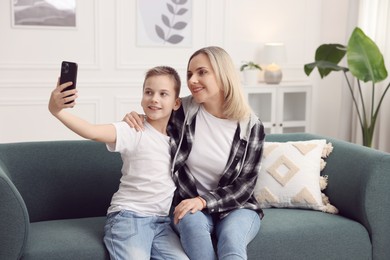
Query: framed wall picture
pixel 164 23
pixel 59 13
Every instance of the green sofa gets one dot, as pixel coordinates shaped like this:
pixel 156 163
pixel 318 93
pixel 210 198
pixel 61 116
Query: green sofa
pixel 54 196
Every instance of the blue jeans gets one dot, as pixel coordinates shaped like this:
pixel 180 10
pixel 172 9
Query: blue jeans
pixel 128 235
pixel 233 233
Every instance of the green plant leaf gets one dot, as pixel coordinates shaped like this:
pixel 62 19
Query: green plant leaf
pixel 250 66
pixel 243 67
pixel 365 60
pixel 326 59
pixel 332 52
pixel 327 54
pixel 324 67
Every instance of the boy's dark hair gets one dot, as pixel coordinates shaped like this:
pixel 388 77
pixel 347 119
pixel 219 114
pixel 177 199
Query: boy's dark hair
pixel 168 71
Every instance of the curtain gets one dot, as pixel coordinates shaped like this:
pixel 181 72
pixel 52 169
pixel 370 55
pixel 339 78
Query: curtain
pixel 374 20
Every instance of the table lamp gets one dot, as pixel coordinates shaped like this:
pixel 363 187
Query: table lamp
pixel 274 54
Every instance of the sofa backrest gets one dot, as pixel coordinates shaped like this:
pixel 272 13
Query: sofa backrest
pixel 62 179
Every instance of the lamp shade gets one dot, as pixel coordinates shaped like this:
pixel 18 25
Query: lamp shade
pixel 274 53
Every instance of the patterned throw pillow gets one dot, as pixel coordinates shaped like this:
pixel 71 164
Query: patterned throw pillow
pixel 290 176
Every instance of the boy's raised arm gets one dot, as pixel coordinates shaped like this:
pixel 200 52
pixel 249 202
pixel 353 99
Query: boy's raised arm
pixel 102 133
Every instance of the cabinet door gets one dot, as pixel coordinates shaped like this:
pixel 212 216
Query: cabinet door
pixel 263 103
pixel 293 109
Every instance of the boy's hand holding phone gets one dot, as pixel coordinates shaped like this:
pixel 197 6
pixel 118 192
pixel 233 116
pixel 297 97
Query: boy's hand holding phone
pixel 64 95
pixel 61 98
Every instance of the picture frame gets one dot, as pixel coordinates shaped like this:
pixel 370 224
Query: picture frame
pixel 164 23
pixel 44 13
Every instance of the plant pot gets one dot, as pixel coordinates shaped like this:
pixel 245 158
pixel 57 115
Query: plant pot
pixel 251 77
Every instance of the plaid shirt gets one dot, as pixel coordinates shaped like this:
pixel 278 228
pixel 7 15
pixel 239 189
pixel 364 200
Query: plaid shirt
pixel 235 188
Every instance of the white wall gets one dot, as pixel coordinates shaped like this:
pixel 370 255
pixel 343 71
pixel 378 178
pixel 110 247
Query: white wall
pixel 111 65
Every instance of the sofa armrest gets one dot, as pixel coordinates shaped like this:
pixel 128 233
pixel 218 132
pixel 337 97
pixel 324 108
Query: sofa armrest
pixel 14 220
pixel 359 181
pixel 358 185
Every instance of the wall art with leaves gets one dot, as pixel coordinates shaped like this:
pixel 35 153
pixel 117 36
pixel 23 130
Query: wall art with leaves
pixel 164 23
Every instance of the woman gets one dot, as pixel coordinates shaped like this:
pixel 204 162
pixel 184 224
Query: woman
pixel 216 160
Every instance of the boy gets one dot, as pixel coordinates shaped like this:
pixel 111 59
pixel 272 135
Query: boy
pixel 138 223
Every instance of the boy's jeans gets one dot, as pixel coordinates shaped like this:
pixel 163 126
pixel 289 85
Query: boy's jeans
pixel 233 233
pixel 128 235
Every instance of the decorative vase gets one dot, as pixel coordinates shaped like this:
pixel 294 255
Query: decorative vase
pixel 272 74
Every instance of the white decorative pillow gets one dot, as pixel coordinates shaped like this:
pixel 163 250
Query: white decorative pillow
pixel 290 175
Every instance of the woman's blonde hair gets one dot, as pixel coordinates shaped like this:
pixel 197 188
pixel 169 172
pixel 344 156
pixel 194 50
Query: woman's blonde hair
pixel 236 106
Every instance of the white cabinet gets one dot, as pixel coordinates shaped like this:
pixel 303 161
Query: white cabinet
pixel 283 108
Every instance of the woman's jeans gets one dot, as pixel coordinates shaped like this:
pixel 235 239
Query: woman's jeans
pixel 128 236
pixel 233 233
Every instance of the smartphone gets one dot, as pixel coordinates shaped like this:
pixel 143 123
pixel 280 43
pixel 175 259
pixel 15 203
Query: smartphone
pixel 68 73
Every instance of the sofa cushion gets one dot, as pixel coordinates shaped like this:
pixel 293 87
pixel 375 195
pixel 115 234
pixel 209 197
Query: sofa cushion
pixel 67 239
pixel 290 175
pixel 306 234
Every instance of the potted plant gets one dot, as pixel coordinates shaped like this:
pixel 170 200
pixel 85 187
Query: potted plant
pixel 365 63
pixel 251 72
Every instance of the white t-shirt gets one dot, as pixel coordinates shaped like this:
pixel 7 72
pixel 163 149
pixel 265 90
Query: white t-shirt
pixel 210 151
pixel 146 186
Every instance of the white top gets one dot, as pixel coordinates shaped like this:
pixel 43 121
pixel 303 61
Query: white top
pixel 146 186
pixel 210 151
